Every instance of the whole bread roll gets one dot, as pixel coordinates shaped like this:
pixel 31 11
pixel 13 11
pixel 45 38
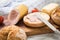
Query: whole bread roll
pixel 32 20
pixel 4 33
pixel 12 33
pixel 17 35
pixel 50 8
pixel 17 14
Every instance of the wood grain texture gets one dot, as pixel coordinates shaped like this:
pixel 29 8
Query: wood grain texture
pixel 34 31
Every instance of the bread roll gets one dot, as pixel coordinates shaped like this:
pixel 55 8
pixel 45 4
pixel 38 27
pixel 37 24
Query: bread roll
pixel 32 20
pixel 17 14
pixel 12 33
pixel 18 34
pixel 50 8
pixel 4 33
pixel 56 17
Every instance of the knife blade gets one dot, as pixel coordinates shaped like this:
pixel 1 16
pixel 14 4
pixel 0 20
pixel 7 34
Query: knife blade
pixel 48 24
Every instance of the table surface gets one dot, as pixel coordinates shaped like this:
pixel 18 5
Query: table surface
pixel 51 36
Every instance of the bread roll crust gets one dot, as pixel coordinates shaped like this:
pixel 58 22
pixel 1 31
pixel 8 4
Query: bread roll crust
pixel 50 8
pixel 56 17
pixel 18 34
pixel 11 32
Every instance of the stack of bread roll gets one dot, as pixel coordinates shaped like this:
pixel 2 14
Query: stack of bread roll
pixel 53 10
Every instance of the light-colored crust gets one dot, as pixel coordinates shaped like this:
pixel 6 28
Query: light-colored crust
pixel 11 31
pixel 50 8
pixel 56 17
pixel 18 34
pixel 34 24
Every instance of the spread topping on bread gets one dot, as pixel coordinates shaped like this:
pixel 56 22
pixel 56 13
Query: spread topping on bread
pixel 32 20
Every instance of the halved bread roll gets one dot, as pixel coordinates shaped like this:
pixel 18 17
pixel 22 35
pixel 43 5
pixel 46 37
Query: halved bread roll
pixel 56 17
pixel 50 8
pixel 17 14
pixel 12 33
pixel 32 20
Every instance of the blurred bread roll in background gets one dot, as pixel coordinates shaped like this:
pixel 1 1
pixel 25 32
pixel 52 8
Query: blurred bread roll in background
pixel 50 8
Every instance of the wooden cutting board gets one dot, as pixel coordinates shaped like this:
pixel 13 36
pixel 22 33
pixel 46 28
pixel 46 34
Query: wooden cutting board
pixel 33 31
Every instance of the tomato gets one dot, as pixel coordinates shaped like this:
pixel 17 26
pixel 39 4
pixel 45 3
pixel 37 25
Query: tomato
pixel 35 10
pixel 1 19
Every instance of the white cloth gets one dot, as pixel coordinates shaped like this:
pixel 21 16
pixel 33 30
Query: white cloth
pixel 5 9
pixel 7 5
